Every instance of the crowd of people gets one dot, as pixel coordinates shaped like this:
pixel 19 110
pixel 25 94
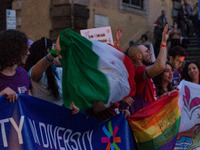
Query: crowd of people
pixel 33 71
pixel 185 24
pixel 37 71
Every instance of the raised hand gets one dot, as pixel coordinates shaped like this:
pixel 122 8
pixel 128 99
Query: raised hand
pixel 57 48
pixel 118 34
pixel 165 34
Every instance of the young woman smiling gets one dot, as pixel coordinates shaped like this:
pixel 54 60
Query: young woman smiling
pixel 191 72
pixel 163 81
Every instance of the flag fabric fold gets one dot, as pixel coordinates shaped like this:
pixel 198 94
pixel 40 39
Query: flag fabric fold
pixel 93 71
pixel 156 126
pixel 30 123
pixel 189 104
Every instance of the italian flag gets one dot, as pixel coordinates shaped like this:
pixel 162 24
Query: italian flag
pixel 93 71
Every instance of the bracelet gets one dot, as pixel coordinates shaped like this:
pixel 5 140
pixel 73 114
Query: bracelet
pixel 116 43
pixel 54 55
pixel 49 60
pixel 53 52
pixel 164 46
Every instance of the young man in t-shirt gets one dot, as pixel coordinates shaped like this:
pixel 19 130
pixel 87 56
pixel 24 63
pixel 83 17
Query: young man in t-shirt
pixel 144 72
pixel 177 55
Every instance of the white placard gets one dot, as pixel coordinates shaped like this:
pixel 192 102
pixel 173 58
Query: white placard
pixel 103 34
pixel 10 19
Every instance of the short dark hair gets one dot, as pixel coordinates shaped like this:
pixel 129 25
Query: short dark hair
pixel 144 36
pixel 37 51
pixel 13 45
pixel 177 51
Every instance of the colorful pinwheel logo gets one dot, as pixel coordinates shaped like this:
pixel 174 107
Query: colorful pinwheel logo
pixel 111 138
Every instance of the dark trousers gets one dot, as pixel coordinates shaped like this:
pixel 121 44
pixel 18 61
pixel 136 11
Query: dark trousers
pixel 157 47
pixel 175 42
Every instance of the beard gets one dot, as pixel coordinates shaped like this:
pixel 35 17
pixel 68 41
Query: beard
pixel 146 61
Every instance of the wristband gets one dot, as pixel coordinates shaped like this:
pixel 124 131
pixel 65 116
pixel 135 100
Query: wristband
pixel 164 46
pixel 116 43
pixel 49 60
pixel 53 52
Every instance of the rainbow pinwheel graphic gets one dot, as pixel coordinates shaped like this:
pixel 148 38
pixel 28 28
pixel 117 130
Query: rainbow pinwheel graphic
pixel 111 138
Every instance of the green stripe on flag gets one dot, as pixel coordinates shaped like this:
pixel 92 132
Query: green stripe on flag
pixel 162 139
pixel 82 82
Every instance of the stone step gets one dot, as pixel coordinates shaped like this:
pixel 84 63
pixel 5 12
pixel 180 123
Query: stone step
pixel 193 41
pixel 192 45
pixel 192 37
pixel 192 58
pixel 191 54
pixel 192 49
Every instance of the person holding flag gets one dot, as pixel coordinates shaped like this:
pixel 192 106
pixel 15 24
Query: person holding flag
pixel 93 71
pixel 45 76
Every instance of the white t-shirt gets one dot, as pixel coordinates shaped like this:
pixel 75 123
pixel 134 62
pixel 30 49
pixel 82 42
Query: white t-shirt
pixel 39 89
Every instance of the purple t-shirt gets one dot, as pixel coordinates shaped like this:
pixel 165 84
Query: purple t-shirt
pixel 176 79
pixel 19 82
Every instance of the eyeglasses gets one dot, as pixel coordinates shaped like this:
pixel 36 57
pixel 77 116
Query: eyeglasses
pixel 179 61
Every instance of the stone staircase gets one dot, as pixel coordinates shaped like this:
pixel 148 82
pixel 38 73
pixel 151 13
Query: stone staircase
pixel 192 49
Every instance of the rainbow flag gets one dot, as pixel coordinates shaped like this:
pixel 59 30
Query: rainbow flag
pixel 156 126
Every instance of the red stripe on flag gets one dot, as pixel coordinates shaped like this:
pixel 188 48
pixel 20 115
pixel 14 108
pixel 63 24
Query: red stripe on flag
pixel 128 63
pixel 153 108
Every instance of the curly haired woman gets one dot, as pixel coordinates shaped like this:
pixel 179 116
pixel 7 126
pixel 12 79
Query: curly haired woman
pixel 13 52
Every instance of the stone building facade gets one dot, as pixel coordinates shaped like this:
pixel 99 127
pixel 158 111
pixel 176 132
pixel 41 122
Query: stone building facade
pixel 4 4
pixel 38 18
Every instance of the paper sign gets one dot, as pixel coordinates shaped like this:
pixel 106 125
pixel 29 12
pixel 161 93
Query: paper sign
pixel 103 34
pixel 10 19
